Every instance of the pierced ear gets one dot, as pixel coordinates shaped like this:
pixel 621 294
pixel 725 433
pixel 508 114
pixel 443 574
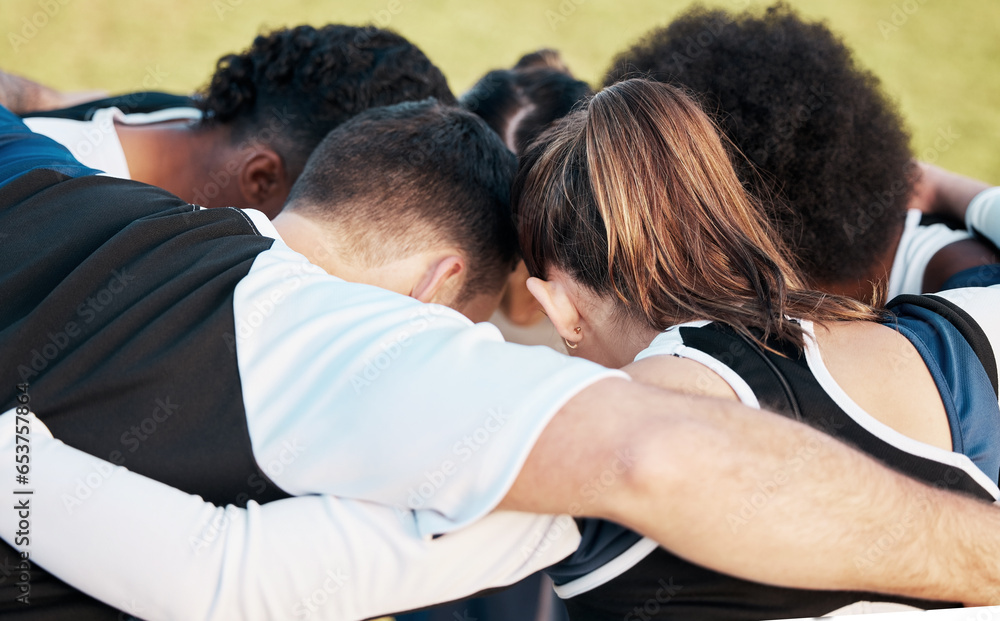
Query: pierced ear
pixel 263 182
pixel 441 280
pixel 558 305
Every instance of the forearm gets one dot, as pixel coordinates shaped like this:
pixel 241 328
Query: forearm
pixel 135 544
pixel 21 95
pixel 761 497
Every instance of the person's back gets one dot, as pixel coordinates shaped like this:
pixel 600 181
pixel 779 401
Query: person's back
pixel 645 246
pixel 146 328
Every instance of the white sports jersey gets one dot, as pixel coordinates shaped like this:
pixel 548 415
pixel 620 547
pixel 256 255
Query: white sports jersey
pixel 917 247
pixel 95 143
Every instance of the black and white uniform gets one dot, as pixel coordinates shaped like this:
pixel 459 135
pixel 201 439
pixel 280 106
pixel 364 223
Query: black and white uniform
pixel 194 347
pixel 618 574
pixel 922 239
pixel 94 141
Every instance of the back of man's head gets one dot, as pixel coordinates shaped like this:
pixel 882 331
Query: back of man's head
pixel 396 181
pixel 293 85
pixel 815 126
pixel 521 103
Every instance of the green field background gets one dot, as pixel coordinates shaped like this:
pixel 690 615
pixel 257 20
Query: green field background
pixel 940 60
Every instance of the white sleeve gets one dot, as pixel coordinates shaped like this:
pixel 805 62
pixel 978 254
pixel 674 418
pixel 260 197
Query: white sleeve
pixel 362 393
pixel 93 143
pixel 159 553
pixel 981 303
pixel 983 215
pixel 917 247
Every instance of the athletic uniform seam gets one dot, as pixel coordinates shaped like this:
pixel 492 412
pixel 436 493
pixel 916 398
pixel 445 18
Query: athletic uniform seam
pixel 253 226
pixel 886 433
pixel 608 571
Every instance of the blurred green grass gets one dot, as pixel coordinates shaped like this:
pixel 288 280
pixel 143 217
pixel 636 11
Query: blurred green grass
pixel 940 64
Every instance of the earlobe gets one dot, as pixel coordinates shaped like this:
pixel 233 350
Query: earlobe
pixel 558 305
pixel 441 278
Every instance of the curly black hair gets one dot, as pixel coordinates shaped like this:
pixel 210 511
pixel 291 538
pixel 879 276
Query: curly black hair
pixel 293 85
pixel 819 134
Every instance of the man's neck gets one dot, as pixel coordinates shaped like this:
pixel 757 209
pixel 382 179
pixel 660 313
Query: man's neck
pixel 308 238
pixel 183 158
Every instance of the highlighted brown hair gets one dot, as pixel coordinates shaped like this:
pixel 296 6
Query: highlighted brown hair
pixel 634 196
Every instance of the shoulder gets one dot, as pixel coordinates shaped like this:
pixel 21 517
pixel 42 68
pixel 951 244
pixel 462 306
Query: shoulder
pixel 670 363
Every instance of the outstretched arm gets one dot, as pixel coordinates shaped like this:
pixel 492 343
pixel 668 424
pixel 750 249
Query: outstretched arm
pixel 159 553
pixel 738 490
pixel 758 496
pixel 944 193
pixel 960 198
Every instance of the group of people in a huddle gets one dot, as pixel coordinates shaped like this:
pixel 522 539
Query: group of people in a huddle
pixel 785 398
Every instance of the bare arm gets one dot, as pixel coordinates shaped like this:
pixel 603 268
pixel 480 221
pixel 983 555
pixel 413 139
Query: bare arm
pixel 136 544
pixel 962 199
pixel 679 469
pixel 21 95
pixel 758 496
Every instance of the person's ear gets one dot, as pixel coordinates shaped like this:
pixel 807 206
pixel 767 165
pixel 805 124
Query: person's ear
pixel 441 280
pixel 264 182
pixel 559 306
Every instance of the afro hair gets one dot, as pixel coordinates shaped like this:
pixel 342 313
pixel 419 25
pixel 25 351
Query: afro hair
pixel 292 86
pixel 811 130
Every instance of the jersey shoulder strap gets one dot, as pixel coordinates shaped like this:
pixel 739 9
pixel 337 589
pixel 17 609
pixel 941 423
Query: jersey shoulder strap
pixel 970 330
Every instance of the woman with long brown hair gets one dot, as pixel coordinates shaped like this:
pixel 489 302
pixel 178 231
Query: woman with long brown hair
pixel 644 246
